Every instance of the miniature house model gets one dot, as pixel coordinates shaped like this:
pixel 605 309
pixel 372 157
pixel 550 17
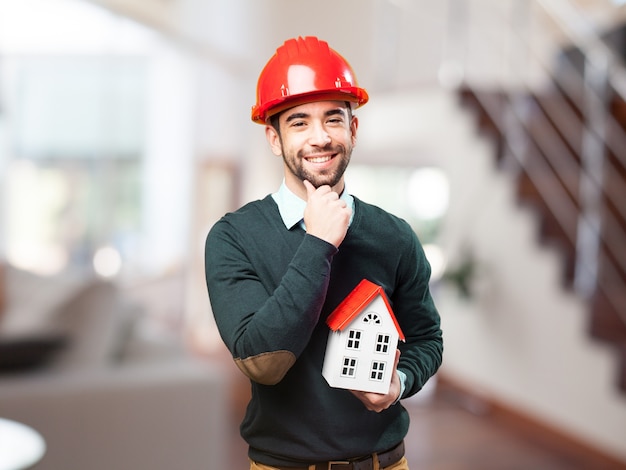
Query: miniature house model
pixel 362 342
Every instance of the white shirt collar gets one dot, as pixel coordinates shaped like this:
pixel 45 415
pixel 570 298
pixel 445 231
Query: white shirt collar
pixel 291 207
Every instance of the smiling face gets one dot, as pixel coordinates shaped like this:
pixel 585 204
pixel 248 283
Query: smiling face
pixel 316 141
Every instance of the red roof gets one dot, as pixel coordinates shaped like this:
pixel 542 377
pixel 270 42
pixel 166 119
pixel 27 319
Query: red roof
pixel 362 295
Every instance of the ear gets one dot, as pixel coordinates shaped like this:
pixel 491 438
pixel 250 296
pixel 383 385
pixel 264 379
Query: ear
pixel 354 125
pixel 274 140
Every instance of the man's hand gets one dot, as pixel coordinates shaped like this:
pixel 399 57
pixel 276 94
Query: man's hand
pixel 378 401
pixel 326 216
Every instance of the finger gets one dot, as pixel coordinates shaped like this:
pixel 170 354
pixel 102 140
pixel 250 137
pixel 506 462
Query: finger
pixel 395 366
pixel 310 189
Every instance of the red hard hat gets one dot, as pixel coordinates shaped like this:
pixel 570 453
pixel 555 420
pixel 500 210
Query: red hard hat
pixel 301 71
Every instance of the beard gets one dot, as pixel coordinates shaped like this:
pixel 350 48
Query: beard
pixel 330 177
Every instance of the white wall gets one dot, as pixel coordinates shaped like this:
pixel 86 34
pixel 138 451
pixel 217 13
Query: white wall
pixel 168 160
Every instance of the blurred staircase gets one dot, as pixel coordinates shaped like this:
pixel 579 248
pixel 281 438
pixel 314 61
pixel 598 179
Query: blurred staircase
pixel 566 147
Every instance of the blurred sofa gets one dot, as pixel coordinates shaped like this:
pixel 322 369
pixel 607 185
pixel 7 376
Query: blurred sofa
pixel 75 366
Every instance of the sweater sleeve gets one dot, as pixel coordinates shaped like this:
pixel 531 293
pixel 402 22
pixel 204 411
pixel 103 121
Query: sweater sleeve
pixel 265 324
pixel 421 354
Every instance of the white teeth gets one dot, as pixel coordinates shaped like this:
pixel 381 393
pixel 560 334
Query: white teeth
pixel 319 159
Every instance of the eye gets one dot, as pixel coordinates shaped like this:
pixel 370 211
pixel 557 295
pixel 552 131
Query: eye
pixel 335 120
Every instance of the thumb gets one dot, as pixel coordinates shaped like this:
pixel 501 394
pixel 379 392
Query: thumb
pixel 310 189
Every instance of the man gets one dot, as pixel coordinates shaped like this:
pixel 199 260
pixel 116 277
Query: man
pixel 276 269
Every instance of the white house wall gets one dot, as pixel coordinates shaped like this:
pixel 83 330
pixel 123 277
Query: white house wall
pixel 336 351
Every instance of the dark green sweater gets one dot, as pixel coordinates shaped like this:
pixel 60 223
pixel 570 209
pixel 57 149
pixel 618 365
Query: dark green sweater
pixel 271 290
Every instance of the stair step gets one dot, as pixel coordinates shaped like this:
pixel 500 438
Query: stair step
pixel 621 380
pixel 489 109
pixel 618 109
pixel 607 326
pixel 607 323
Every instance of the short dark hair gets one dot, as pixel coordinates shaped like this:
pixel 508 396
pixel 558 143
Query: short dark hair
pixel 274 122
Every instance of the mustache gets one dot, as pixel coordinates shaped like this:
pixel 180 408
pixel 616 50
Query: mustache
pixel 329 148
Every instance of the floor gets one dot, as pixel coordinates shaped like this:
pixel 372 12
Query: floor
pixel 447 435
pixel 450 432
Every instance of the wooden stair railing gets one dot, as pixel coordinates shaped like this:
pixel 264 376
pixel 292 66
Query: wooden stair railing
pixel 543 147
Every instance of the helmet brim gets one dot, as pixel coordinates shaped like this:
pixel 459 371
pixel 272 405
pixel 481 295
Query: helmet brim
pixel 355 95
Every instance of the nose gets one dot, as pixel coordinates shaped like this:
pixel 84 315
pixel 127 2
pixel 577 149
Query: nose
pixel 319 136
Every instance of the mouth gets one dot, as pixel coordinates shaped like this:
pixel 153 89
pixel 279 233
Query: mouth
pixel 319 158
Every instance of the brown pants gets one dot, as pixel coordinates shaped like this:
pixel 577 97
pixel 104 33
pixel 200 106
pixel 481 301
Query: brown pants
pixel 401 464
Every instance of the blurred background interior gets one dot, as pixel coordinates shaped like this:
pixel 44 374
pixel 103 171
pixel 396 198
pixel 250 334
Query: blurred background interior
pixel 495 127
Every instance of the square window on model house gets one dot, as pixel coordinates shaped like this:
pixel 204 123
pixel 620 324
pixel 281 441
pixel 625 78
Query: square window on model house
pixel 382 343
pixel 354 339
pixel 349 367
pixel 377 373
